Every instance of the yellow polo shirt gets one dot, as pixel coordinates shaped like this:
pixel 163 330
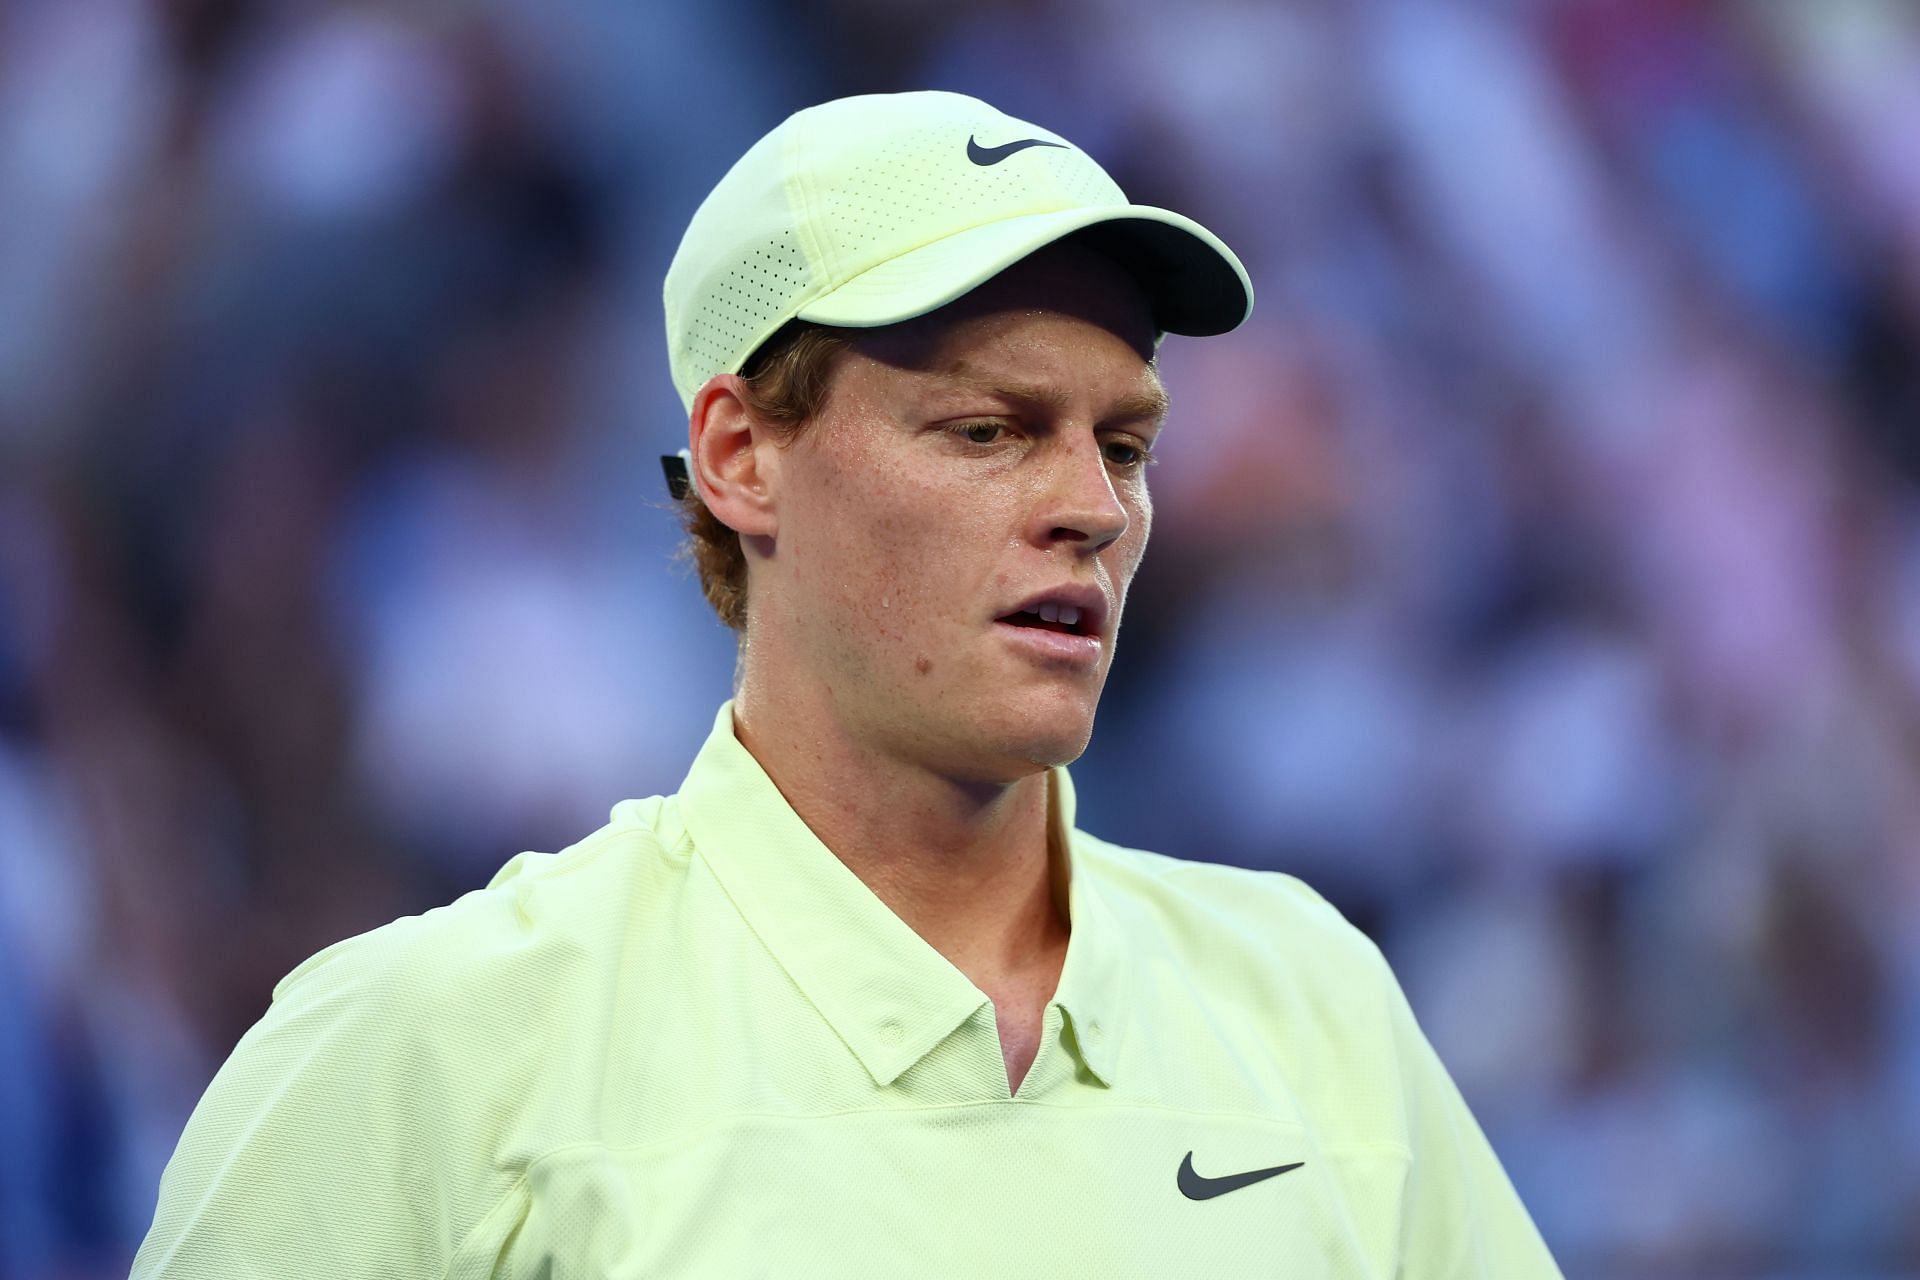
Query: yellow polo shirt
pixel 695 1044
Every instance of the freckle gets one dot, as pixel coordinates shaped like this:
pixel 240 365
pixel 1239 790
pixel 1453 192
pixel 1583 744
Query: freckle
pixel 923 664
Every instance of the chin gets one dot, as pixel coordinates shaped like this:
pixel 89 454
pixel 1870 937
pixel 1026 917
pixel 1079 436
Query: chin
pixel 1033 734
pixel 987 728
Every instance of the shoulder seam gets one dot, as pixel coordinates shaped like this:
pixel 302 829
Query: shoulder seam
pixel 494 1210
pixel 1166 866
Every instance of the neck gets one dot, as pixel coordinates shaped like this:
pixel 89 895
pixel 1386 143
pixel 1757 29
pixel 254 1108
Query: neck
pixel 966 864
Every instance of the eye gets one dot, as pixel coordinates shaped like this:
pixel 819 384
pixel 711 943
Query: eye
pixel 979 432
pixel 1127 454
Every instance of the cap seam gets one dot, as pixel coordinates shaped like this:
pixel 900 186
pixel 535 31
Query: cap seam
pixel 799 194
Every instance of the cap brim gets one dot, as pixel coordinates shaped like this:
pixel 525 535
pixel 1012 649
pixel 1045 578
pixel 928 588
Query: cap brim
pixel 1192 281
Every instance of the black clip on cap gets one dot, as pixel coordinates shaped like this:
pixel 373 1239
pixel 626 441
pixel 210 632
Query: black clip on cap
pixel 679 483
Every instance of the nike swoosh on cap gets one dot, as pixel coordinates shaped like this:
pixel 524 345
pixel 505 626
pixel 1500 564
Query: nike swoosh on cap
pixel 1195 1187
pixel 994 155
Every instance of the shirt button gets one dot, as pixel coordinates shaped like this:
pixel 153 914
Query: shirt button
pixel 1093 1029
pixel 890 1031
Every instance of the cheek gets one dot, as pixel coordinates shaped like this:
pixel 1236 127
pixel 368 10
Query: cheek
pixel 882 548
pixel 1133 544
pixel 930 544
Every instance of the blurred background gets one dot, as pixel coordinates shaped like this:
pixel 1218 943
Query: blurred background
pixel 1537 574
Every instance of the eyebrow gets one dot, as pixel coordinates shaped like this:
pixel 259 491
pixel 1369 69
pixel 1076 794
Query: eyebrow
pixel 1151 404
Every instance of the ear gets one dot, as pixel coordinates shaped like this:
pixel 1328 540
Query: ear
pixel 736 460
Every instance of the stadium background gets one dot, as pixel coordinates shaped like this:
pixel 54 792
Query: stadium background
pixel 1537 574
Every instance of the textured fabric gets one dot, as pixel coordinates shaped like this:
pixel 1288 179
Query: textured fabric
pixel 695 1044
pixel 873 209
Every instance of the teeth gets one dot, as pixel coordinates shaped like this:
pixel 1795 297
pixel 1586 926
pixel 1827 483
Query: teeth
pixel 1049 612
pixel 1069 615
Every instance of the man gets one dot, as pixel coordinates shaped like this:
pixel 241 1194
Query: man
pixel 859 999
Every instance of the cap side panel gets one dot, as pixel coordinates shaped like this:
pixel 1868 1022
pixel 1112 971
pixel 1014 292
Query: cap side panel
pixel 745 303
pixel 802 202
pixel 741 270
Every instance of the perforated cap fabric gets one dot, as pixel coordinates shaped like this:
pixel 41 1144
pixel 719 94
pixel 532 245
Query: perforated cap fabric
pixel 871 210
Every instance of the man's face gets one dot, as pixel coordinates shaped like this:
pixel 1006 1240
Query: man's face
pixel 969 468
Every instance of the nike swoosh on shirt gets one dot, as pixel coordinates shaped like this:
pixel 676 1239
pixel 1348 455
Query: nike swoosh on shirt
pixel 1195 1187
pixel 994 155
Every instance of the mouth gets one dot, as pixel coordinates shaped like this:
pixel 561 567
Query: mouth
pixel 1063 619
pixel 1075 609
pixel 1065 626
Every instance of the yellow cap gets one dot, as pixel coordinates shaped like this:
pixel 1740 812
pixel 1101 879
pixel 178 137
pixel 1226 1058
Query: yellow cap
pixel 871 210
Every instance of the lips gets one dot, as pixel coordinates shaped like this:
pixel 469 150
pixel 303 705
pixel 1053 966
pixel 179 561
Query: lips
pixel 1070 610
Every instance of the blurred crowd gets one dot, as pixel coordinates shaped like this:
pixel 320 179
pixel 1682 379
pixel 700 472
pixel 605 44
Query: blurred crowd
pixel 1537 574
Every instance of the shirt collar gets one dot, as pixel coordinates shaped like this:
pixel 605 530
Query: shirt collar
pixel 881 986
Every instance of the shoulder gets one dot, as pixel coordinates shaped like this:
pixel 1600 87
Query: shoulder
pixel 496 959
pixel 1261 959
pixel 1241 912
pixel 394 1080
pixel 402 1077
pixel 1264 953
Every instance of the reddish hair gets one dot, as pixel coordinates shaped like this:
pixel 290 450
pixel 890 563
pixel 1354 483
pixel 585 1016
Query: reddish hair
pixel 787 381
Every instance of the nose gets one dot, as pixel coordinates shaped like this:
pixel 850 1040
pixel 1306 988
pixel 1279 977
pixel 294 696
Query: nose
pixel 1078 503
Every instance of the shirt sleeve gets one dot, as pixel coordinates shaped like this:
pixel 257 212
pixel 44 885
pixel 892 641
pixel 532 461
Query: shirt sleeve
pixel 318 1148
pixel 1462 1218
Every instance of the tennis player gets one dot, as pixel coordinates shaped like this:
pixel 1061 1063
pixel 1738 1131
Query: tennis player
pixel 859 999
